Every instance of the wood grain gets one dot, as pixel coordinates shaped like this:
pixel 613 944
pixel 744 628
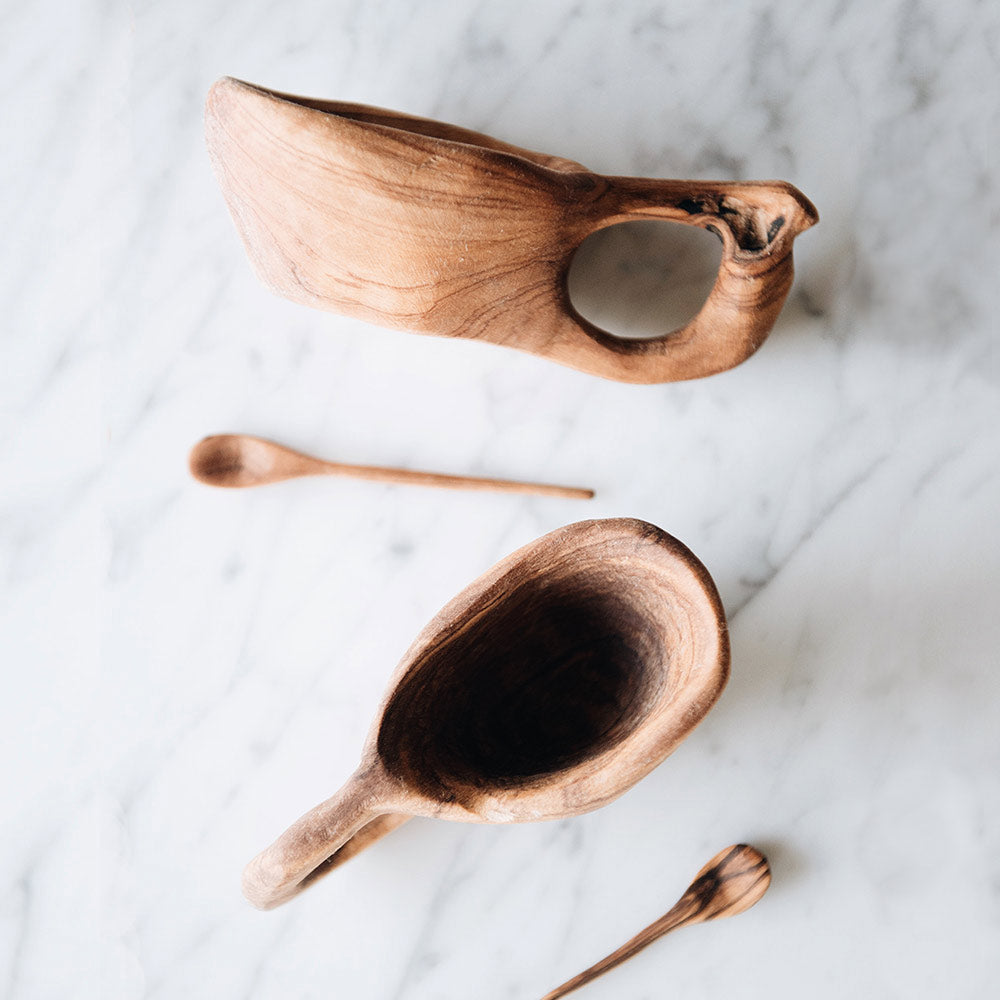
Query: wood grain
pixel 419 225
pixel 730 883
pixel 545 689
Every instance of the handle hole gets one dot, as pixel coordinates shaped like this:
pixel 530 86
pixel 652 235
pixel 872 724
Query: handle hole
pixel 639 280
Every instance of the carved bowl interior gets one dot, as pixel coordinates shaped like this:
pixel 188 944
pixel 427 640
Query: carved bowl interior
pixel 557 663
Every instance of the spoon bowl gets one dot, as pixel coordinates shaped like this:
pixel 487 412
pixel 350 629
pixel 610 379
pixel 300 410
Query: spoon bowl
pixel 545 689
pixel 238 460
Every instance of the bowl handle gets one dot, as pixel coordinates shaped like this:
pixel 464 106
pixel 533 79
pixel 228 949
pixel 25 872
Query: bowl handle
pixel 757 222
pixel 325 837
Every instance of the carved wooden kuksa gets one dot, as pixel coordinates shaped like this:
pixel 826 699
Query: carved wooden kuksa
pixel 416 224
pixel 545 689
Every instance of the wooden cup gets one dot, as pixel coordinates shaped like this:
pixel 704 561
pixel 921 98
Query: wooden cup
pixel 419 225
pixel 545 689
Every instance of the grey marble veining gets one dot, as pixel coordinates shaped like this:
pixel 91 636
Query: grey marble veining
pixel 186 670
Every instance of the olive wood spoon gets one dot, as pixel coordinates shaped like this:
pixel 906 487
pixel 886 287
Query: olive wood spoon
pixel 237 460
pixel 729 884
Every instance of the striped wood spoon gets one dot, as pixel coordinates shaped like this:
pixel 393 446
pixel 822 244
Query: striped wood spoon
pixel 729 884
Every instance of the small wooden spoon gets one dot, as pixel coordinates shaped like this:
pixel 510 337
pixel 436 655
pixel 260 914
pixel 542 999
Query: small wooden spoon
pixel 729 884
pixel 237 460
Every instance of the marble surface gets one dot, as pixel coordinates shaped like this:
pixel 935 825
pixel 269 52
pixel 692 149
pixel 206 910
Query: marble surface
pixel 185 670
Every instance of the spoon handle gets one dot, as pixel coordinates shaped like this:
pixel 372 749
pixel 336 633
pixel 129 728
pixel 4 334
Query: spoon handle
pixel 440 479
pixel 729 884
pixel 677 916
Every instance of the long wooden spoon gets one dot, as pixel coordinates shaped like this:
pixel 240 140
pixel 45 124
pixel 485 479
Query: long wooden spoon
pixel 236 460
pixel 729 884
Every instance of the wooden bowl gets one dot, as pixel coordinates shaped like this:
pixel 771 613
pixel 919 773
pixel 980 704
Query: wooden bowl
pixel 545 689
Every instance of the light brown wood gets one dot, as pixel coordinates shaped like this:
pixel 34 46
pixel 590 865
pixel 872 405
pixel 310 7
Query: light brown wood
pixel 420 225
pixel 545 689
pixel 241 460
pixel 730 883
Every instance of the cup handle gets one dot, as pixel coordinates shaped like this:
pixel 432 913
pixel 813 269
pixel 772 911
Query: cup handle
pixel 325 837
pixel 757 222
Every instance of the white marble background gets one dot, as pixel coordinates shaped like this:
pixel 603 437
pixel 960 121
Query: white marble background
pixel 185 671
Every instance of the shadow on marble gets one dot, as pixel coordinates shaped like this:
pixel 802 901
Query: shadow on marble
pixel 831 283
pixel 788 864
